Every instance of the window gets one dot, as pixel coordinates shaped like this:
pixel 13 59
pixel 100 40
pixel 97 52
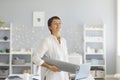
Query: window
pixel 118 27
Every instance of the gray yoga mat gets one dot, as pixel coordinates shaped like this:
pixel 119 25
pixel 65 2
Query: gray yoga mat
pixel 63 66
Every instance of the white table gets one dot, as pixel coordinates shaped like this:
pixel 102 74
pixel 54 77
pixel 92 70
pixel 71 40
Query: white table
pixel 24 77
pixel 117 76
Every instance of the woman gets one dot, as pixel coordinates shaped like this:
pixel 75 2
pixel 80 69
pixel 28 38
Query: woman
pixel 53 47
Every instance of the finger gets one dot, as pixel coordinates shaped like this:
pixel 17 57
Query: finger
pixel 58 69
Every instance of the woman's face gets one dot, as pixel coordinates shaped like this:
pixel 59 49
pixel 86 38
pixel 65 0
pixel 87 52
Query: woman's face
pixel 55 26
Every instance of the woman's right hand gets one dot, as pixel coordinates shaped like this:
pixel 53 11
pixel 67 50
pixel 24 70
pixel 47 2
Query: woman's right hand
pixel 50 67
pixel 53 68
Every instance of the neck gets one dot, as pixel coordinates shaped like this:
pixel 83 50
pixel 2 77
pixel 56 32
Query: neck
pixel 57 35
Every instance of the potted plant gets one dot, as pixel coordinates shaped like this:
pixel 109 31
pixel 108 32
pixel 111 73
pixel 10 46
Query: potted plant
pixel 1 22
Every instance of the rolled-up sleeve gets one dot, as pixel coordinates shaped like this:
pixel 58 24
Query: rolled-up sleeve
pixel 37 57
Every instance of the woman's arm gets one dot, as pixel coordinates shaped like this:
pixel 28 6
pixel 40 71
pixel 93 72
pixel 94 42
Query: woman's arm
pixel 40 52
pixel 37 58
pixel 50 67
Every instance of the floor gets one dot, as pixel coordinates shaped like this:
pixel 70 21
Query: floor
pixel 96 79
pixel 108 79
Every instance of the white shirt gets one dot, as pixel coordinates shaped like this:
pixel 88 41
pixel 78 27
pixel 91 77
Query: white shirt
pixel 55 50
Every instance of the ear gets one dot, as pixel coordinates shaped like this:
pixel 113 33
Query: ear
pixel 50 27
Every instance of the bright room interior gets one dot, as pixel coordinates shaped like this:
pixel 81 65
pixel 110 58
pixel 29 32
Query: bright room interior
pixel 90 27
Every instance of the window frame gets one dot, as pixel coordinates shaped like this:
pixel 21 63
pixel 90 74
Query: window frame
pixel 118 27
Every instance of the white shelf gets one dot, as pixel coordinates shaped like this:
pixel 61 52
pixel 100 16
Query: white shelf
pixel 4 40
pixel 21 65
pixel 94 53
pixel 4 45
pixel 99 77
pixel 94 46
pixel 98 65
pixel 27 64
pixel 4 29
pixel 21 52
pixel 91 41
pixel 96 29
pixel 6 59
pixel 4 64
pixel 4 53
pixel 3 76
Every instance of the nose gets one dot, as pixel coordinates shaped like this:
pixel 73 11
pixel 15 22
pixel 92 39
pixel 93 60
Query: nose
pixel 58 24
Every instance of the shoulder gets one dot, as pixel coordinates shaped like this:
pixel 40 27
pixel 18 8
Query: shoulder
pixel 63 39
pixel 48 39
